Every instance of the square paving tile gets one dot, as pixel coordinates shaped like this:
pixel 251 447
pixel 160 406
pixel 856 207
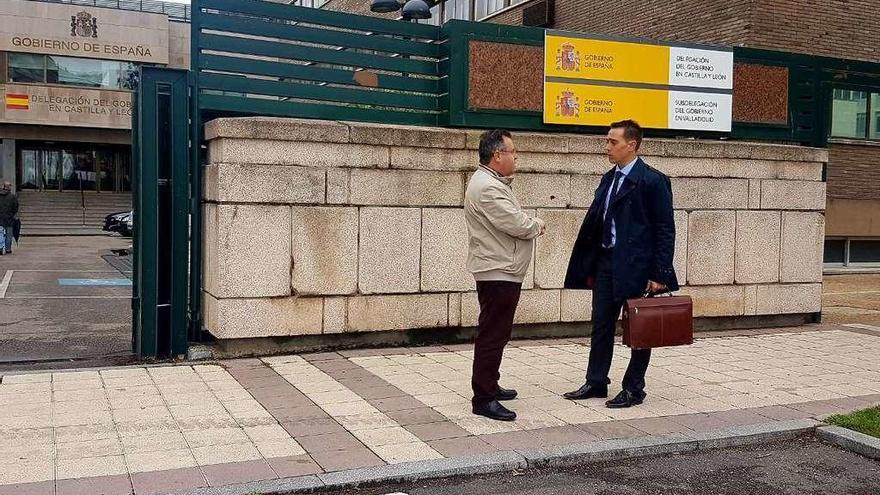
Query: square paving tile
pixel 611 430
pixel 338 460
pixel 437 431
pixel 90 466
pixel 330 442
pixel 312 427
pixel 238 472
pixel 40 488
pixel 220 454
pixel 464 446
pixel 288 467
pixel 168 481
pixel 104 485
pixel 416 416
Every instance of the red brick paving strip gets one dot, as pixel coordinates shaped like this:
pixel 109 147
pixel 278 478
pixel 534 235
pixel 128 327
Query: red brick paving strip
pixel 330 447
pixel 170 481
pixel 40 488
pixel 104 485
pixel 422 421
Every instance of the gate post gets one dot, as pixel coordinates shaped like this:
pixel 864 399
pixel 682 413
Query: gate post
pixel 161 213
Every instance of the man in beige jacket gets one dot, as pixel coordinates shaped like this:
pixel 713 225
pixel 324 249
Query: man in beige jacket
pixel 501 240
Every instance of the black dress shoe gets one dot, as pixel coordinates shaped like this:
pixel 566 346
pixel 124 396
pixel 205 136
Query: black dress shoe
pixel 505 394
pixel 625 399
pixel 587 391
pixel 494 410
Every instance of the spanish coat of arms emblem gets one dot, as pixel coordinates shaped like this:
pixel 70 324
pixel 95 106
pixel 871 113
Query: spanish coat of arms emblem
pixel 84 25
pixel 568 58
pixel 567 105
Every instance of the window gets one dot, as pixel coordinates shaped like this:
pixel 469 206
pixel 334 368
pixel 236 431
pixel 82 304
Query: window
pixel 72 71
pixel 875 111
pixel 457 9
pixel 848 112
pixel 855 114
pixel 852 252
pixel 27 68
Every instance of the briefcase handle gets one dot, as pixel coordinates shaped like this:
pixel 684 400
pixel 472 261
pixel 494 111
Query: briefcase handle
pixel 665 292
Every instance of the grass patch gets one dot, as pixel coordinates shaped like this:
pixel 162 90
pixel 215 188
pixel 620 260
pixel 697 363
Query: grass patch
pixel 866 421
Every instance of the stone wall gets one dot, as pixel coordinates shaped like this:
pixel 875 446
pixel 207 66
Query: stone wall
pixel 316 227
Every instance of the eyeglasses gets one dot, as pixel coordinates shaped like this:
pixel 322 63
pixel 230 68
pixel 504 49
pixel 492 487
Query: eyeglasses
pixel 506 151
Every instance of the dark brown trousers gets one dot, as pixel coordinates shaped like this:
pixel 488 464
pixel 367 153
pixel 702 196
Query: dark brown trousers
pixel 498 300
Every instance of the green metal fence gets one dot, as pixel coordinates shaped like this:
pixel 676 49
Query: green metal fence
pixel 261 58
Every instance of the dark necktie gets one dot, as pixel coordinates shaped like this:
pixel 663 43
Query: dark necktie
pixel 606 227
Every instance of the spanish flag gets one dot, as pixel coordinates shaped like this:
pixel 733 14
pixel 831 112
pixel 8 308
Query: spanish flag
pixel 16 101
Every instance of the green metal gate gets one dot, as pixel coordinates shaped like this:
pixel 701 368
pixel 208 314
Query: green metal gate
pixel 161 213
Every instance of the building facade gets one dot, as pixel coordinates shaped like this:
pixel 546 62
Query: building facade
pixel 839 30
pixel 67 76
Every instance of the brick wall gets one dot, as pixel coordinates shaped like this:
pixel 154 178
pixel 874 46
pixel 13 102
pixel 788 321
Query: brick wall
pixel 853 171
pixel 834 28
pixel 361 7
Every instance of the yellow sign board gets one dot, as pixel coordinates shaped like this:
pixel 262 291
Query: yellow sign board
pixel 595 82
pixel 606 60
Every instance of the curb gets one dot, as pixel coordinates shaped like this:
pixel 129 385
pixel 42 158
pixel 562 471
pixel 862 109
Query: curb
pixel 512 460
pixel 854 441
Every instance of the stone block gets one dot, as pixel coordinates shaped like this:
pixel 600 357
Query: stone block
pixel 401 312
pixel 750 294
pixel 679 261
pixel 583 190
pixel 306 154
pixel 754 194
pixel 792 195
pixel 553 249
pixel 535 306
pixel 803 244
pixel 538 306
pixel 237 183
pixel 319 131
pixel 594 145
pixel 576 305
pixel 722 300
pixel 721 168
pixel 324 246
pixel 710 194
pixel 434 159
pixel 406 188
pixel 335 314
pixel 779 152
pixel 247 250
pixel 527 141
pixel 757 246
pixel 542 190
pixel 338 186
pixel 444 251
pixel 454 310
pixel 711 247
pixel 388 259
pixel 800 170
pixel 568 163
pixel 405 135
pixel 263 317
pixel 789 298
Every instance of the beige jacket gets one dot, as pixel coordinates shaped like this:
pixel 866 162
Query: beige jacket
pixel 501 235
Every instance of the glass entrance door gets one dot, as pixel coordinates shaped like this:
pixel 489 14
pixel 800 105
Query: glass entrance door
pixel 68 168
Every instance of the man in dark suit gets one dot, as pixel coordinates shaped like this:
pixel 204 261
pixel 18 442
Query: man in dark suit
pixel 624 250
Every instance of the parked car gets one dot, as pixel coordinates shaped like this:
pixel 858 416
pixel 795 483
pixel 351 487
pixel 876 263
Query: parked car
pixel 121 222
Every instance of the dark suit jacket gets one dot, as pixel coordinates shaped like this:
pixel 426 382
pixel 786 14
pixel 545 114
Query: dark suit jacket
pixel 645 241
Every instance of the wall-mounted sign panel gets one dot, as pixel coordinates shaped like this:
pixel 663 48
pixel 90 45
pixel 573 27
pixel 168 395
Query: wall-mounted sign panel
pixel 598 81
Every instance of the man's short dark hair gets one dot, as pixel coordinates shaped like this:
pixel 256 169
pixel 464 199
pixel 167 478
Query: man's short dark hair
pixel 632 131
pixel 490 142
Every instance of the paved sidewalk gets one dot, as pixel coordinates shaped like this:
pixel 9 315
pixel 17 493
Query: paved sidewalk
pixel 175 428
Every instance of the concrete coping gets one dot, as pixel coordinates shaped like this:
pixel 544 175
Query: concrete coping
pixel 597 451
pixel 325 131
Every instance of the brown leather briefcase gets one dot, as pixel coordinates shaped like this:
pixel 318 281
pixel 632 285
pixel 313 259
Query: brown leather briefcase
pixel 650 322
